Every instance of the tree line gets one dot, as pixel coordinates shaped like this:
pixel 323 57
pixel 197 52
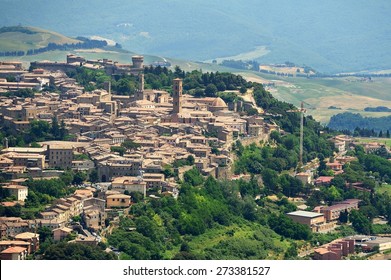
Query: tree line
pixel 350 121
pixel 195 83
pixel 85 44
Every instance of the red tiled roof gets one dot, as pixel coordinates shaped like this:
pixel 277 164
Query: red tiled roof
pixel 325 179
pixel 13 250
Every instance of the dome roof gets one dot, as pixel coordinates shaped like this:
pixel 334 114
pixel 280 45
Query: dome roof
pixel 218 102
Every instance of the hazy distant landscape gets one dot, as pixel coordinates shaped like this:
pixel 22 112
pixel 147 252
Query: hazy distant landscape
pixel 332 36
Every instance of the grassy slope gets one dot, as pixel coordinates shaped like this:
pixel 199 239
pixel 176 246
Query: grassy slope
pixel 18 41
pixel 384 188
pixel 216 235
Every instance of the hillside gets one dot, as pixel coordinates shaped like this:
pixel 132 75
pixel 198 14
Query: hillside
pixel 323 97
pixel 332 36
pixel 18 38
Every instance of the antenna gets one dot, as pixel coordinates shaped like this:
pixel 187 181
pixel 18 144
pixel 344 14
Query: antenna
pixel 302 111
pixel 301 133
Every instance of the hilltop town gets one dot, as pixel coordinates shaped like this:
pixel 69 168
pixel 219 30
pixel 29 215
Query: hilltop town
pixel 123 149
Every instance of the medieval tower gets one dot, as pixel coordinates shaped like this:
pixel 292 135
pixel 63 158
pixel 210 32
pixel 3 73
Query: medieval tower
pixel 177 95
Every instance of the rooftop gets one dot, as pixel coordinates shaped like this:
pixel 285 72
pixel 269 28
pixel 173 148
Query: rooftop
pixel 306 214
pixel 14 250
pixel 26 235
pixel 118 196
pixel 17 187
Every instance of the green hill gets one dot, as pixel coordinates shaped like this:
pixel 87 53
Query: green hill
pixel 21 38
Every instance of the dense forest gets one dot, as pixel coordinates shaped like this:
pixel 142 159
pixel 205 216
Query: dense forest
pixel 350 121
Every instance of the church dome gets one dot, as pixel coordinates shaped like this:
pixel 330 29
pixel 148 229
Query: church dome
pixel 218 102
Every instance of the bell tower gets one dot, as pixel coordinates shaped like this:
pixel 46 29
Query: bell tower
pixel 177 95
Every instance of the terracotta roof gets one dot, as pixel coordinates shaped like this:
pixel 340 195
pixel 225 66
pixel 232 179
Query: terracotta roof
pixel 13 250
pixel 26 235
pixel 14 242
pixel 65 229
pixel 321 251
pixel 15 187
pixel 324 179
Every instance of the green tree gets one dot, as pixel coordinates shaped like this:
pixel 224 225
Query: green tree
pixel 55 128
pixel 193 177
pixel 79 178
pixel 93 177
pixel 332 194
pixel 290 186
pixel 148 227
pixel 291 253
pixel 344 217
pixel 221 86
pixel 168 172
pixel 243 90
pixel 63 131
pixel 360 223
pixel 130 144
pixel 191 224
pixel 190 160
pixel 120 150
pixel 44 234
pixel 270 180
pixel 288 228
pixel 76 251
pixel 211 90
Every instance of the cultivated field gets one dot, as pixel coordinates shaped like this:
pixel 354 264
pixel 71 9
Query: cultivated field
pixel 385 141
pixel 344 94
pixel 285 70
pixel 19 41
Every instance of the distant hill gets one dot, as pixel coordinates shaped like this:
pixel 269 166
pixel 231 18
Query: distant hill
pixel 20 38
pixel 329 36
pixel 349 121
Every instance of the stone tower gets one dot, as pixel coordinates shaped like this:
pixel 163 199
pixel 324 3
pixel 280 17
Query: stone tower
pixel 138 61
pixel 141 82
pixel 177 95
